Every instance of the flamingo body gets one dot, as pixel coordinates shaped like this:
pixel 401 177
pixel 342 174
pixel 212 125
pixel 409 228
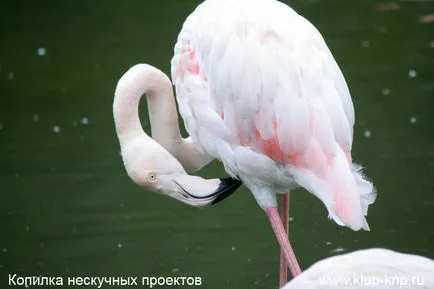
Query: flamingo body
pixel 259 90
pixel 368 269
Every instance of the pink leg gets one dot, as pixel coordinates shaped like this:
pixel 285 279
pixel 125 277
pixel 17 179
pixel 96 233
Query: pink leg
pixel 284 216
pixel 282 238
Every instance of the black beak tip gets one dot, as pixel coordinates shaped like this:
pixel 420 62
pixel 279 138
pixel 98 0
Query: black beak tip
pixel 226 188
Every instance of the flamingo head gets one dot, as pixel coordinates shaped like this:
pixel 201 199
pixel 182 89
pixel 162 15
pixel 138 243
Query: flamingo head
pixel 153 168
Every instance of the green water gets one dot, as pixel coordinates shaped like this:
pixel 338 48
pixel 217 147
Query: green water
pixel 67 207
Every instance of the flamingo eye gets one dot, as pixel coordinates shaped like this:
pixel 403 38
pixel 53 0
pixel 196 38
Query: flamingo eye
pixel 152 176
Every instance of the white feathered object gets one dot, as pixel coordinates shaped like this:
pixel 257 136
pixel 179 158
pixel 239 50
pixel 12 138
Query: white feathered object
pixel 259 90
pixel 368 269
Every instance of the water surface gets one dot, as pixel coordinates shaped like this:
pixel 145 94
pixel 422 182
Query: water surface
pixel 67 207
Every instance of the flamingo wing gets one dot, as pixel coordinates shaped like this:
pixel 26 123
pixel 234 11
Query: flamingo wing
pixel 257 86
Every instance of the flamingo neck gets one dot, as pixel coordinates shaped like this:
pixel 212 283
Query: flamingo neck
pixel 139 80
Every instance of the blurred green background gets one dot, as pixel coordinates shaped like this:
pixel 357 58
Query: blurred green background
pixel 67 207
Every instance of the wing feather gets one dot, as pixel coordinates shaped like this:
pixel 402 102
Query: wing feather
pixel 261 73
pixel 269 85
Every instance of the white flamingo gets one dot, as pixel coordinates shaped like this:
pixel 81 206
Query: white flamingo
pixel 368 269
pixel 258 89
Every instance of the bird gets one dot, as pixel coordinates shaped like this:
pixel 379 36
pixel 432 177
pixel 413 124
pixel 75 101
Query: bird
pixel 146 161
pixel 259 89
pixel 368 269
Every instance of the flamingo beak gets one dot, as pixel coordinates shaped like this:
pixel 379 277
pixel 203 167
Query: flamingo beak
pixel 205 194
pixel 226 188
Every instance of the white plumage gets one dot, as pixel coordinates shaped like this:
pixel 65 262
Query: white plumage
pixel 368 269
pixel 259 90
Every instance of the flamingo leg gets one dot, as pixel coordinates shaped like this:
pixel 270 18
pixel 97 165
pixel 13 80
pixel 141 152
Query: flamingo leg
pixel 284 217
pixel 282 238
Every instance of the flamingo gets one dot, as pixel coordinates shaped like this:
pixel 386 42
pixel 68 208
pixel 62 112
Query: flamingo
pixel 368 269
pixel 258 89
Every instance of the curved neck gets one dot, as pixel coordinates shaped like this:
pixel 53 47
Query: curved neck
pixel 139 80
